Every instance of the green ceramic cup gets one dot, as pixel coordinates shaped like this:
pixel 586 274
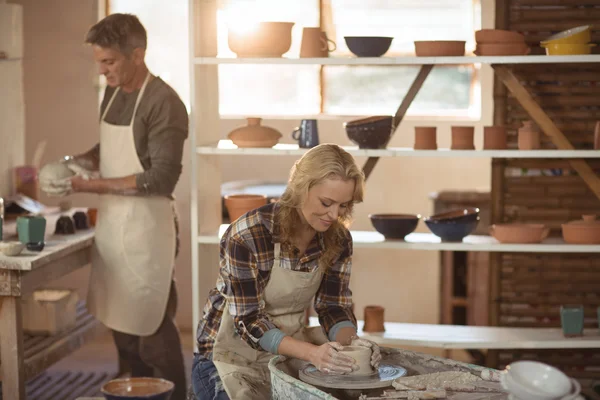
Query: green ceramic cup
pixel 31 229
pixel 571 319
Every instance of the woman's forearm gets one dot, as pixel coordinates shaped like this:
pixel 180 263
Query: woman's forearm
pixel 295 348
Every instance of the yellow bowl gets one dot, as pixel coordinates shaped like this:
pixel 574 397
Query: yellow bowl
pixel 577 35
pixel 567 49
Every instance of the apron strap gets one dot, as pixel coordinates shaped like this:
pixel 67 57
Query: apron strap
pixel 139 98
pixel 276 255
pixel 109 104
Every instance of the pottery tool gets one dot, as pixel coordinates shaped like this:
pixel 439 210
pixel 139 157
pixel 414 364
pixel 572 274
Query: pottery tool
pixel 381 378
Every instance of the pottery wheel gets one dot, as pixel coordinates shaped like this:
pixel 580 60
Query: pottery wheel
pixel 380 379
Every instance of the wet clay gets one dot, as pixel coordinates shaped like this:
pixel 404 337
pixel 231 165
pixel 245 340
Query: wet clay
pixel 362 355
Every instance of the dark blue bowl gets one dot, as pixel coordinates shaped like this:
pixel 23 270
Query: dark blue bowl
pixel 458 215
pixel 368 46
pixel 451 231
pixel 394 226
pixel 138 389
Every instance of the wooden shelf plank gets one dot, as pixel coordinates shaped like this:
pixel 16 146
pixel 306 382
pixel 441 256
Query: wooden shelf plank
pixel 542 59
pixel 428 241
pixel 226 147
pixel 476 337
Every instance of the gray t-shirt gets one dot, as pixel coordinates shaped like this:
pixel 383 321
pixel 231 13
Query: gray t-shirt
pixel 159 130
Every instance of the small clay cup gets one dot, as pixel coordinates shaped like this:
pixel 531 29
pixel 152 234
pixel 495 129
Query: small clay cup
pixel 81 220
pixel 529 136
pixel 425 138
pixel 494 138
pixel 64 226
pixel 571 320
pixel 463 138
pixel 362 355
pixel 92 214
pixel 374 319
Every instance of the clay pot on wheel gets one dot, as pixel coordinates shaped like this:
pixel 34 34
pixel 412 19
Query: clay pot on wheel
pixel 529 136
pixel 374 319
pixel 463 138
pixel 362 355
pixel 425 138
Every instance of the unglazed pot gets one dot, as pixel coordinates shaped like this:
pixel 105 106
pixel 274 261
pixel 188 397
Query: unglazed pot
pixel 254 135
pixel 463 138
pixel 583 231
pixel 362 355
pixel 519 233
pixel 425 138
pixel 494 138
pixel 529 136
pixel 374 319
pixel 267 39
pixel 239 204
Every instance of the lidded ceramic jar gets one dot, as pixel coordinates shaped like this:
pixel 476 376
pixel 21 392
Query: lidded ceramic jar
pixel 254 135
pixel 529 136
pixel 583 231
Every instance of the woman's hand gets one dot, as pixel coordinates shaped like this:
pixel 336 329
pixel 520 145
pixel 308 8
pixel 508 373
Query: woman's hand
pixel 328 359
pixel 375 352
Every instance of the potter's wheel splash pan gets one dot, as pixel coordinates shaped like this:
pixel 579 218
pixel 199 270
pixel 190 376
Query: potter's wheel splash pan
pixel 380 379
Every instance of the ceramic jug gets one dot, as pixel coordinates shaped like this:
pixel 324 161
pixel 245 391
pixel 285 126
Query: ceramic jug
pixel 307 134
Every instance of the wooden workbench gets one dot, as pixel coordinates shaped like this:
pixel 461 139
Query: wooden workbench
pixel 24 357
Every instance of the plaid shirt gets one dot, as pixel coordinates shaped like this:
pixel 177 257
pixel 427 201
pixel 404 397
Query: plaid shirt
pixel 246 259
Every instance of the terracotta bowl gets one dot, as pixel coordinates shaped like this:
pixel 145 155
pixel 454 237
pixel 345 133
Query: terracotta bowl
pixel 583 231
pixel 440 48
pixel 268 39
pixel 370 133
pixel 138 389
pixel 519 233
pixel 368 46
pixel 239 204
pixel 498 36
pixel 502 49
pixel 394 226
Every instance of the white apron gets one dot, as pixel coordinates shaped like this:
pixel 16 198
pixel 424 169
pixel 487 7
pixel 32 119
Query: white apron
pixel 243 370
pixel 134 247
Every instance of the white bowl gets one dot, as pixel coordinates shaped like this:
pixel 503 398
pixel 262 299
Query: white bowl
pixel 537 381
pixel 11 248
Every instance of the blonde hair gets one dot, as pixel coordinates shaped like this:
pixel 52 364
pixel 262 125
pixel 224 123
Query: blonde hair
pixel 325 161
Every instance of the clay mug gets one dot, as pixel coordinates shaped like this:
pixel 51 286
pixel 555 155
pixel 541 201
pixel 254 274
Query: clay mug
pixel 315 43
pixel 463 138
pixel 307 134
pixel 362 355
pixel 494 138
pixel 529 136
pixel 425 138
pixel 374 319
pixel 571 320
pixel 31 229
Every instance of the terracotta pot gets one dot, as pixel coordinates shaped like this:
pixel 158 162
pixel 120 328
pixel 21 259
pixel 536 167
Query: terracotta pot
pixel 92 214
pixel 425 138
pixel 494 138
pixel 462 138
pixel 597 136
pixel 239 204
pixel 439 48
pixel 529 136
pixel 374 319
pixel 254 135
pixel 502 49
pixel 583 231
pixel 268 39
pixel 519 233
pixel 498 36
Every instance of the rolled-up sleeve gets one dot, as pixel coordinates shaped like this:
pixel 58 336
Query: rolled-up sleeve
pixel 167 127
pixel 244 294
pixel 333 302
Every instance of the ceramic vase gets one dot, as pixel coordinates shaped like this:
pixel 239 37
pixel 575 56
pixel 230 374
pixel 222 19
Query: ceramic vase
pixel 571 320
pixel 463 138
pixel 254 135
pixel 529 136
pixel 425 138
pixel 494 138
pixel 374 319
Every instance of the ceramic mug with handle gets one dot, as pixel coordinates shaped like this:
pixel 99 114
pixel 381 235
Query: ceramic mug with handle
pixel 315 43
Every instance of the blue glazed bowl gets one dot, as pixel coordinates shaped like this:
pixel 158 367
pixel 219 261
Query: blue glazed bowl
pixel 138 389
pixel 453 226
pixel 368 46
pixel 394 226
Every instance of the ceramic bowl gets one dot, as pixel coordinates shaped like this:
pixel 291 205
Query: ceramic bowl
pixel 439 48
pixel 567 49
pixel 498 36
pixel 451 231
pixel 577 35
pixel 457 215
pixel 11 249
pixel 519 233
pixel 138 389
pixel 370 133
pixel 266 39
pixel 368 46
pixel 537 381
pixel 394 226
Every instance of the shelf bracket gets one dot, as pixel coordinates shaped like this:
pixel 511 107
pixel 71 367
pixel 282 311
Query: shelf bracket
pixel 545 123
pixel 401 112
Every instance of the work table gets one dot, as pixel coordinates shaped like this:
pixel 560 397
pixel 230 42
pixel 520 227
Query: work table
pixel 23 357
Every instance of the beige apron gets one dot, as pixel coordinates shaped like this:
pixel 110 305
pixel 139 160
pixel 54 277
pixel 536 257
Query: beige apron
pixel 134 250
pixel 243 370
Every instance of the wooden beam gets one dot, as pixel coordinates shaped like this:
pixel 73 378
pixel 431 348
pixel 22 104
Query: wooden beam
pixel 545 123
pixel 11 349
pixel 401 112
pixel 31 280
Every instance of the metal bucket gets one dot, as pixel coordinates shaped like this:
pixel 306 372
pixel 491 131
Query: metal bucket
pixel 285 384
